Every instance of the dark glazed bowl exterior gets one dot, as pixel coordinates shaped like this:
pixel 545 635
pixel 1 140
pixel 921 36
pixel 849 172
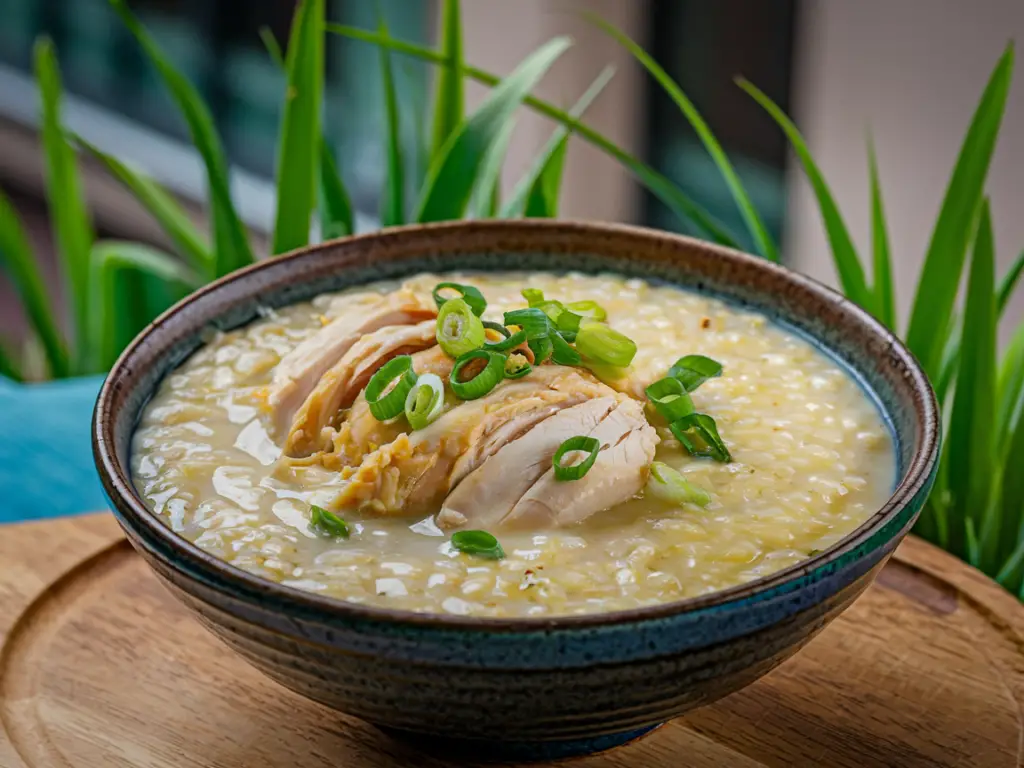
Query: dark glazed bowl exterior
pixel 524 687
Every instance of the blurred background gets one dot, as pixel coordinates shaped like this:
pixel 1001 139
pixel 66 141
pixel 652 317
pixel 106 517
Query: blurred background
pixel 910 71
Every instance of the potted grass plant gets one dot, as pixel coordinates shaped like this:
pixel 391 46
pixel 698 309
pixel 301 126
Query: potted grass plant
pixel 113 289
pixel 977 508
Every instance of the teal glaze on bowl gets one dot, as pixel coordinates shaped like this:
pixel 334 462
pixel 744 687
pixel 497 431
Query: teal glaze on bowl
pixel 523 688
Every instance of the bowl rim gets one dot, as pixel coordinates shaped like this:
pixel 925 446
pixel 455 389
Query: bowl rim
pixel 131 510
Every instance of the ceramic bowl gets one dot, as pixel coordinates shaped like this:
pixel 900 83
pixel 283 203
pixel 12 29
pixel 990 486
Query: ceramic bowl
pixel 522 688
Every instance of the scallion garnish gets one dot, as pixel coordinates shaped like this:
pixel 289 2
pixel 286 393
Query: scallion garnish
pixel 459 330
pixel 575 471
pixel 670 398
pixel 588 309
pixel 387 406
pixel 486 380
pixel 425 401
pixel 510 342
pixel 561 352
pixel 601 344
pixel 541 348
pixel 517 366
pixel 699 435
pixel 478 543
pixel 533 296
pixel 669 485
pixel 694 370
pixel 325 523
pixel 467 293
pixel 497 328
pixel 532 320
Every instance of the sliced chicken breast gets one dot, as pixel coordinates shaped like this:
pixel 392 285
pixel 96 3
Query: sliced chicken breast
pixel 339 386
pixel 620 471
pixel 300 370
pixel 490 492
pixel 412 474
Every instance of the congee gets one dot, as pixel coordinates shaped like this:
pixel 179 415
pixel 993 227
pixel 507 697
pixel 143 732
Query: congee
pixel 512 444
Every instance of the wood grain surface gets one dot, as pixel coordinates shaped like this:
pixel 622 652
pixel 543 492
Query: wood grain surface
pixel 101 668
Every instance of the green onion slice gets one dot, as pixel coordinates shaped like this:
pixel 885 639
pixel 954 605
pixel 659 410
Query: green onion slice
pixel 589 310
pixel 479 544
pixel 517 366
pixel 327 523
pixel 694 370
pixel 467 293
pixel 699 435
pixel 575 471
pixel 497 327
pixel 542 348
pixel 483 382
pixel 670 398
pixel 425 401
pixel 532 320
pixel 387 406
pixel 561 352
pixel 669 485
pixel 511 342
pixel 458 329
pixel 533 296
pixel 602 344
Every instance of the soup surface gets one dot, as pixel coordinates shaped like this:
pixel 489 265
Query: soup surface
pixel 218 459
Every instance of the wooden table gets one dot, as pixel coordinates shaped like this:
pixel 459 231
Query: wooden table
pixel 101 668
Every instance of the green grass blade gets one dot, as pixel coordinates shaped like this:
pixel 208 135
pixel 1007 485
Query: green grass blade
pixel 1009 282
pixel 885 300
pixel 230 240
pixel 1011 382
pixel 393 202
pixel 298 163
pixel 449 97
pixel 1012 570
pixel 454 172
pixel 943 264
pixel 18 261
pixel 762 239
pixel 9 368
pixel 118 274
pixel 844 254
pixel 970 438
pixel 539 187
pixel 163 207
pixel 72 228
pixel 336 218
pixel 488 184
pixel 659 185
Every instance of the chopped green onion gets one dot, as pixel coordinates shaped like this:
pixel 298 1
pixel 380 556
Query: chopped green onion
pixel 532 320
pixel 670 398
pixel 517 366
pixel 561 352
pixel 511 342
pixel 467 293
pixel 588 309
pixel 694 370
pixel 458 329
pixel 425 401
pixel 669 485
pixel 497 328
pixel 601 344
pixel 541 348
pixel 387 406
pixel 483 382
pixel 533 296
pixel 478 543
pixel 327 523
pixel 699 435
pixel 575 471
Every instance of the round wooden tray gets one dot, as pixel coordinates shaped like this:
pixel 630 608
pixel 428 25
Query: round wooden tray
pixel 100 667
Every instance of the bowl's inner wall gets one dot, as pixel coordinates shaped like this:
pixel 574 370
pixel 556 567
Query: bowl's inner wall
pixel 797 303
